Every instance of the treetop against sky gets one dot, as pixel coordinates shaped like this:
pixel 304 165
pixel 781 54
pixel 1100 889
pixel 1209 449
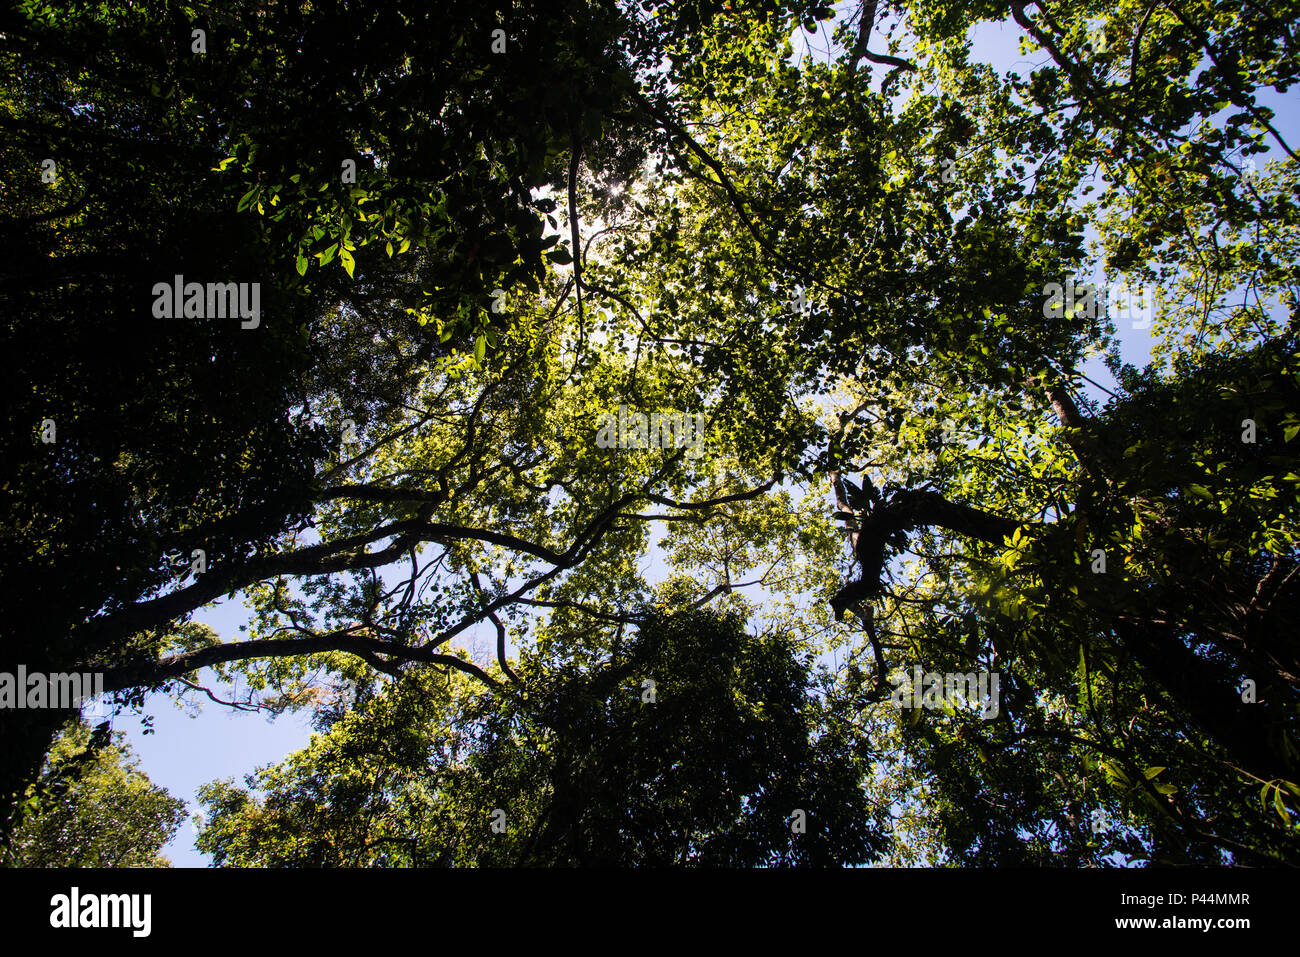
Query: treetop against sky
pixel 597 331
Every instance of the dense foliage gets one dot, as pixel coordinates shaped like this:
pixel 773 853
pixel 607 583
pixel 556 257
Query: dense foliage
pixel 93 807
pixel 861 259
pixel 708 764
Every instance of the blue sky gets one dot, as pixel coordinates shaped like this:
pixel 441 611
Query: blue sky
pixel 185 751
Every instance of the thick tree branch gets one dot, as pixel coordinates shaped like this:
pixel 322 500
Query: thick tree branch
pixel 1078 428
pixel 574 157
pixel 867 10
pixel 501 630
pixel 713 502
pixel 906 511
pixel 176 667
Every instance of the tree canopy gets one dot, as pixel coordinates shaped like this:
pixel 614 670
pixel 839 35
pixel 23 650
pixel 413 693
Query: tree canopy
pixel 874 273
pixel 93 807
pixel 712 763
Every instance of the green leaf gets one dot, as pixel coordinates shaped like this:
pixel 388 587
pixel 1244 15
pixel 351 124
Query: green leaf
pixel 348 262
